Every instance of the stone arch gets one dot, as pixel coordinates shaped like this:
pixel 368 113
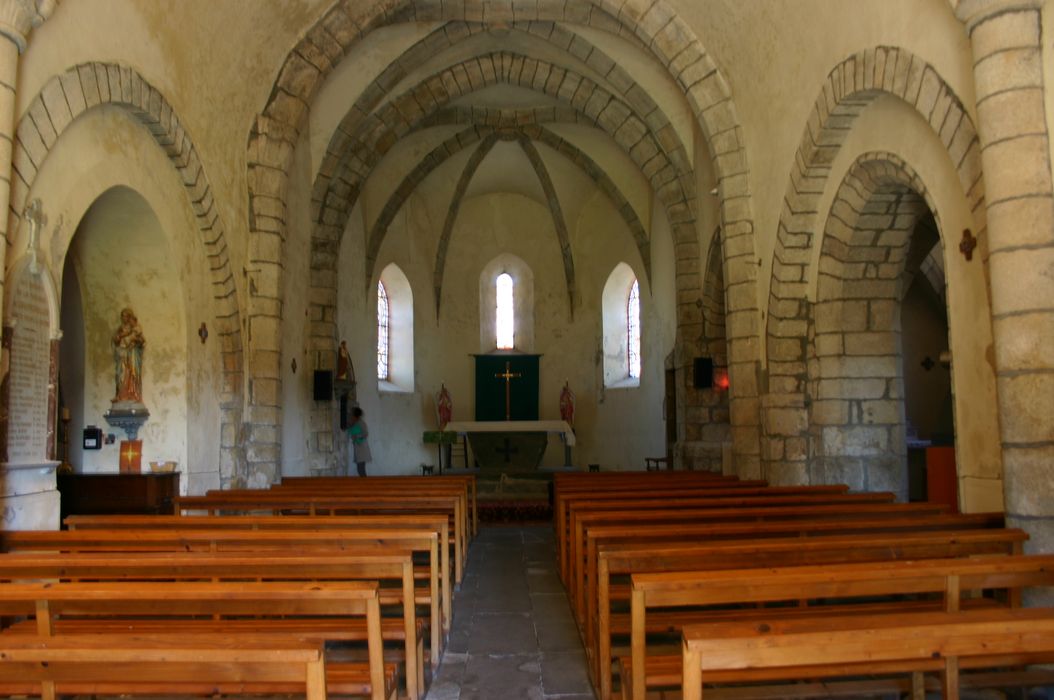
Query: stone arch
pixel 850 87
pixel 274 134
pixel 62 100
pixel 855 384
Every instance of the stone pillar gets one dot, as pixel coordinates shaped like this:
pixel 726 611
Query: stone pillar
pixel 17 19
pixel 28 499
pixel 1006 39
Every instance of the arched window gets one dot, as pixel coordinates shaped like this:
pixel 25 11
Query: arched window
pixel 621 323
pixel 633 330
pixel 395 332
pixel 504 316
pixel 506 305
pixel 383 333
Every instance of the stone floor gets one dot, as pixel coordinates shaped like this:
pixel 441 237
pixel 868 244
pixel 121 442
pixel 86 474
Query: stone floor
pixel 512 636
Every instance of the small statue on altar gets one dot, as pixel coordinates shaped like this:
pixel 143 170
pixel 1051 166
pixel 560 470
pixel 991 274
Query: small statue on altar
pixel 567 404
pixel 444 406
pixel 345 372
pixel 128 343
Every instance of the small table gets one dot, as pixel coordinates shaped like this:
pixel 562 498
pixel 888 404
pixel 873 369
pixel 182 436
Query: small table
pixel 654 464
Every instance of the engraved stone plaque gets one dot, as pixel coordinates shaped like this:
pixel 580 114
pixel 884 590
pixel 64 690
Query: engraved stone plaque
pixel 29 371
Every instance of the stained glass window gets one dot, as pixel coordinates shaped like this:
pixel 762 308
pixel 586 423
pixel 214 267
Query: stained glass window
pixel 505 316
pixel 633 330
pixel 383 333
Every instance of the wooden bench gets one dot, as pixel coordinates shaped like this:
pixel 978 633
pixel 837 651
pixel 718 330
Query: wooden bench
pixel 659 501
pixel 413 482
pixel 944 642
pixel 238 540
pixel 436 523
pixel 625 559
pixel 693 514
pixel 383 566
pixel 579 544
pixel 188 608
pixel 462 486
pixel 891 586
pixel 274 503
pixel 584 584
pixel 152 664
pixel 569 502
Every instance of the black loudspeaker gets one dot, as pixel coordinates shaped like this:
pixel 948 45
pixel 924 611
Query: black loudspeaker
pixel 704 373
pixel 323 385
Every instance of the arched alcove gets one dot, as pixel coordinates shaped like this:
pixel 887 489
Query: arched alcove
pixel 880 229
pixel 119 257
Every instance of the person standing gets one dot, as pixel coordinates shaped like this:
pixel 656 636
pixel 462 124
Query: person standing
pixel 358 432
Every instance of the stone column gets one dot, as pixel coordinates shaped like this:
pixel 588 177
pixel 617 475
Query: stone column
pixel 17 19
pixel 1006 39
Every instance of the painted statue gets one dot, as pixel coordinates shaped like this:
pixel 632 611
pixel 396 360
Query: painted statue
pixel 567 404
pixel 445 407
pixel 345 372
pixel 128 345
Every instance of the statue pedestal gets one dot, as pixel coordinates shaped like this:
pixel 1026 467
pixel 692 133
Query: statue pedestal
pixel 128 416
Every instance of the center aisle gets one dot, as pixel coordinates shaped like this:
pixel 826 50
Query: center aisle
pixel 512 635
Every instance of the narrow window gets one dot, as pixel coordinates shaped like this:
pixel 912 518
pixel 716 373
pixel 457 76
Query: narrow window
pixel 383 333
pixel 504 318
pixel 633 330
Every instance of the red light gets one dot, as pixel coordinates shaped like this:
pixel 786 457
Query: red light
pixel 721 379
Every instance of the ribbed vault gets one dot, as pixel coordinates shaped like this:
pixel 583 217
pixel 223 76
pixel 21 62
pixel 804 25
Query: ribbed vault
pixel 536 48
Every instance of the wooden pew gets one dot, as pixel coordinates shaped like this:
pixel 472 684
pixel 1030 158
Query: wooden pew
pixel 579 543
pixel 153 664
pixel 380 565
pixel 624 559
pixel 889 522
pixel 187 608
pixel 236 540
pixel 944 642
pixel 569 485
pixel 277 503
pixel 659 501
pixel 415 482
pixel 854 587
pixel 436 523
pixel 566 504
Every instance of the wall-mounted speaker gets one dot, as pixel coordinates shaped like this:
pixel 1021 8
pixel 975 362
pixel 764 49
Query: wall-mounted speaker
pixel 703 369
pixel 323 385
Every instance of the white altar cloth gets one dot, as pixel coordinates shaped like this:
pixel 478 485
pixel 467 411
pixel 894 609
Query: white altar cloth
pixel 514 426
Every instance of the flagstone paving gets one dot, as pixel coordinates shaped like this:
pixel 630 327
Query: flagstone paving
pixel 512 635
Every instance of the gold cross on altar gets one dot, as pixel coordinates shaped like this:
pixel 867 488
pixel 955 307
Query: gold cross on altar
pixel 508 375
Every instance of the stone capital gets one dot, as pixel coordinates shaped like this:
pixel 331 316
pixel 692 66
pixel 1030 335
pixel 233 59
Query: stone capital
pixel 18 17
pixel 975 12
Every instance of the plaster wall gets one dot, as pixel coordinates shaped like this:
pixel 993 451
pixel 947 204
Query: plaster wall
pixel 616 428
pixel 969 314
pixel 140 250
pixel 215 61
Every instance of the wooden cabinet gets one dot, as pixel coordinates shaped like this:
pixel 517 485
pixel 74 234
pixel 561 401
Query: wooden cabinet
pixel 114 494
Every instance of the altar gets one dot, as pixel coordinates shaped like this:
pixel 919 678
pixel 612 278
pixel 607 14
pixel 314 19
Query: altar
pixel 490 440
